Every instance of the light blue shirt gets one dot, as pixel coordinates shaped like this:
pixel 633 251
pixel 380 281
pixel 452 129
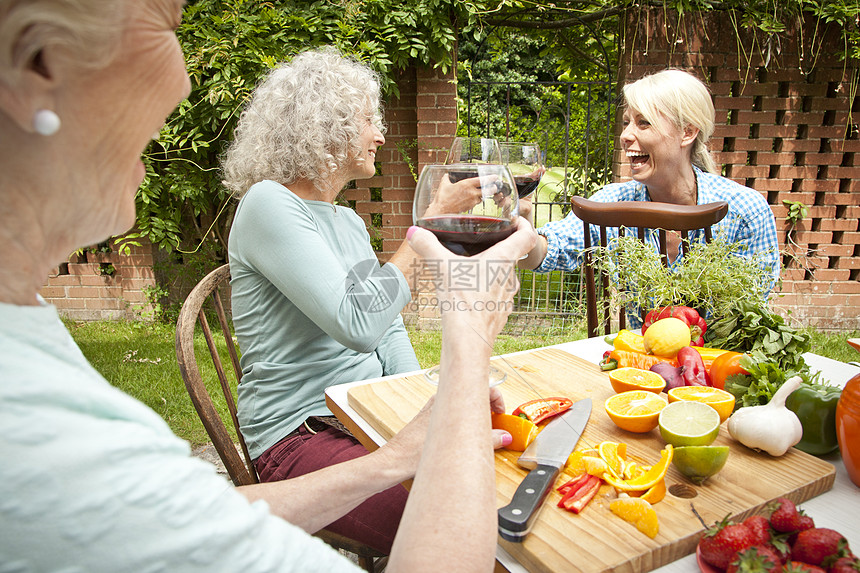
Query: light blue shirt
pixel 749 221
pixel 92 480
pixel 312 308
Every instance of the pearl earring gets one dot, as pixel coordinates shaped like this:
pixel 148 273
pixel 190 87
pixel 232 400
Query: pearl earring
pixel 46 122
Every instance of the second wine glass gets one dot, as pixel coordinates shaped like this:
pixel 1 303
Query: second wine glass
pixel 474 150
pixel 526 164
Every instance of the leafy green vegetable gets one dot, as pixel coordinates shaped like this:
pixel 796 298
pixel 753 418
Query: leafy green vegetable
pixel 764 379
pixel 753 328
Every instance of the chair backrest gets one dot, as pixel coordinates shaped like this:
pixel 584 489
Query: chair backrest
pixel 241 472
pixel 641 215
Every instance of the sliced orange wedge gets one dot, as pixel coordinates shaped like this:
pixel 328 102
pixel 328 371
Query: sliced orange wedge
pixel 521 430
pixel 638 512
pixel 615 455
pixel 648 479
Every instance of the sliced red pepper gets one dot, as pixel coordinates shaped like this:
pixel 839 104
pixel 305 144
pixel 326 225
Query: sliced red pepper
pixel 574 484
pixel 542 409
pixel 577 498
pixel 694 373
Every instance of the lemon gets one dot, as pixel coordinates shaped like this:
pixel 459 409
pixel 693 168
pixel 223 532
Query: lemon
pixel 686 423
pixel 699 463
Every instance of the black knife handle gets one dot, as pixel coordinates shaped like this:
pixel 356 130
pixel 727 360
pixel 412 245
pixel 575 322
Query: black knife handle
pixel 516 518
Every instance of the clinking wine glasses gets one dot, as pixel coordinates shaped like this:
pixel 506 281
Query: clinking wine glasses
pixel 468 206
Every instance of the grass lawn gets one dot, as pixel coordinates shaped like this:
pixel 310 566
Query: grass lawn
pixel 139 358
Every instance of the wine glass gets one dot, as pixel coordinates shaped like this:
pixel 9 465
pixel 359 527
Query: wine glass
pixel 474 150
pixel 524 161
pixel 469 207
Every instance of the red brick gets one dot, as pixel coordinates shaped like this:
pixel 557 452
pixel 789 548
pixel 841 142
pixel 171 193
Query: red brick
pixel 831 275
pixel 826 131
pixel 781 103
pixel 755 145
pixel 774 158
pixel 840 198
pixel 747 117
pixel 792 172
pixel 802 118
pixel 851 238
pixel 836 250
pixel 726 157
pixel 819 185
pixel 839 225
pixel 736 131
pixel 848 263
pixel 800 145
pixel 805 198
pixel 774 184
pixel 52 292
pixel 784 131
pixel 733 102
pixel 849 287
pixel 746 171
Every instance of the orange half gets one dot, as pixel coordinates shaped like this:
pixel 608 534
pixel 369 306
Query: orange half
pixel 521 430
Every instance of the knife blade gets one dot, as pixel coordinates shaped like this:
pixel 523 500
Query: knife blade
pixel 545 457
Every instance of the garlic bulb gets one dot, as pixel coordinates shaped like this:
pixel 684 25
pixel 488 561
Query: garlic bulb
pixel 772 427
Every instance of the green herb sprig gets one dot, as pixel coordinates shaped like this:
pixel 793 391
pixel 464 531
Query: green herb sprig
pixel 711 277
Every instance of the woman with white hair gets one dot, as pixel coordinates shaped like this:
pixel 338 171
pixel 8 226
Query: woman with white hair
pixel 668 119
pixel 312 307
pixel 93 480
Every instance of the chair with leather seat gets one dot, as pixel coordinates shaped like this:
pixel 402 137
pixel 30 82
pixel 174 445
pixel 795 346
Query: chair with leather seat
pixel 640 215
pixel 239 467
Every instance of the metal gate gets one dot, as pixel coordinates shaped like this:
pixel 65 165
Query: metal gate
pixel 573 126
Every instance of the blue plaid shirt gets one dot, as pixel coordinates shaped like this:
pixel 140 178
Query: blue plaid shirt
pixel 749 221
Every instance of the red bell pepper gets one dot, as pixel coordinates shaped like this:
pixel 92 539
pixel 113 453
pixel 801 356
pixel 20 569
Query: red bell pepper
pixel 693 367
pixel 697 324
pixel 542 409
pixel 579 492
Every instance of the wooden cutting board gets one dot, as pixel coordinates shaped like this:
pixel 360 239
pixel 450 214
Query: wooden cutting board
pixel 596 540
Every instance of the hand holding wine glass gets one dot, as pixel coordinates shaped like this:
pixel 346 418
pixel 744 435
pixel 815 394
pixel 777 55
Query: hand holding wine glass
pixel 469 207
pixel 526 164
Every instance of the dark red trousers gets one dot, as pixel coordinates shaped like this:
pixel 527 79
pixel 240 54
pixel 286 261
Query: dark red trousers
pixel 375 521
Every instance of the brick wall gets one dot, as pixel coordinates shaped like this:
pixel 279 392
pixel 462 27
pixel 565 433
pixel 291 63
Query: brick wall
pixel 102 285
pixel 783 129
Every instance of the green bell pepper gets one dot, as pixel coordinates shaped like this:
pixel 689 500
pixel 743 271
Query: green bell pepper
pixel 815 406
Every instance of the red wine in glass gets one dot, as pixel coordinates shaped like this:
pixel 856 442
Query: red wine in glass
pixel 467 234
pixel 526 185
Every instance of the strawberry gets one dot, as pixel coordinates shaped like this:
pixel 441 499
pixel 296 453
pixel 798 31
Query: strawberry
pixel 819 546
pixel 721 541
pixel 804 522
pixel 755 559
pixel 785 517
pixel 846 565
pixel 760 527
pixel 801 567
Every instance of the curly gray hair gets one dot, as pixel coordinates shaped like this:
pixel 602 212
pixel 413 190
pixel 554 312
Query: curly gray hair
pixel 303 122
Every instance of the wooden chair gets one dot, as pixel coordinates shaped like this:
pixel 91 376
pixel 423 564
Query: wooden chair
pixel 642 215
pixel 241 471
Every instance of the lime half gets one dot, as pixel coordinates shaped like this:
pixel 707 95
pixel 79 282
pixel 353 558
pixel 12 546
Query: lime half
pixel 686 423
pixel 699 463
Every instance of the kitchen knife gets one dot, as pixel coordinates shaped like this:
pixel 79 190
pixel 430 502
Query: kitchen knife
pixel 545 457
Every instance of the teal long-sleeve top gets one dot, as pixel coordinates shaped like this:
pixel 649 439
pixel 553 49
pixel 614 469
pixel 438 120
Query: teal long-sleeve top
pixel 312 308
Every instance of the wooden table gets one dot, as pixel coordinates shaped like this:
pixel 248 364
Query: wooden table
pixel 838 508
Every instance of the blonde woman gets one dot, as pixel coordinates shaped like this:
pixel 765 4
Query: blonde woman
pixel 668 119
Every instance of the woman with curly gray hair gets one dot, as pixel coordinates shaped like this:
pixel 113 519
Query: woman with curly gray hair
pixel 312 307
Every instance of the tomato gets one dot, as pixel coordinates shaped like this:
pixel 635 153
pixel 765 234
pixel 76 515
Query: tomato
pixel 725 365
